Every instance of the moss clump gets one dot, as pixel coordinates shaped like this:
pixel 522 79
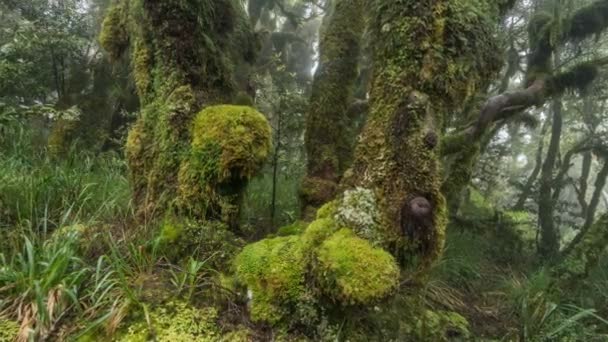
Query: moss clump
pixel 62 134
pixel 229 145
pixel 295 228
pixel 211 241
pixel 351 270
pixel 318 231
pixel 274 271
pixel 441 326
pixel 175 322
pixel 8 330
pixel 114 37
pixel 328 210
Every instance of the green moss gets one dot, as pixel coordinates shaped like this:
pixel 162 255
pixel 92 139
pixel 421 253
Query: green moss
pixel 243 334
pixel 114 37
pixel 351 271
pixel 295 228
pixel 211 241
pixel 328 210
pixel 175 322
pixel 242 133
pixel 8 330
pixel 183 56
pixel 61 136
pixel 318 231
pixel 584 256
pixel 440 326
pixel 229 145
pixel 274 271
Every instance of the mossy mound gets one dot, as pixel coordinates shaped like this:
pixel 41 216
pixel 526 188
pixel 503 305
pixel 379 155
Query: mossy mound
pixel 229 146
pixel 211 241
pixel 296 277
pixel 242 134
pixel 274 271
pixel 353 271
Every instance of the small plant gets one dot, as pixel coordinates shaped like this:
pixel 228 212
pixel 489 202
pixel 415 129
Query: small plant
pixel 41 285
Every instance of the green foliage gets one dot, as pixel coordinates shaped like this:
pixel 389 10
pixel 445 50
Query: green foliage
pixel 541 317
pixel 42 283
pixel 354 272
pixel 42 193
pixel 175 321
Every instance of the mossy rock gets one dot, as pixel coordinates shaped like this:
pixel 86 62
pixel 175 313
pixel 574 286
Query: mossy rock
pixel 441 326
pixel 352 271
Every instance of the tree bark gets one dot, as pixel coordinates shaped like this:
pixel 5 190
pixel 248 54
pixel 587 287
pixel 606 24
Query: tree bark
pixel 549 236
pixel 328 145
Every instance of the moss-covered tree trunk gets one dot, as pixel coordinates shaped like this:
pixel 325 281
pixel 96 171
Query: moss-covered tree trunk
pixel 423 71
pixel 328 145
pixel 183 53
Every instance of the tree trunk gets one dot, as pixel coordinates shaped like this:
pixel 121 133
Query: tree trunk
pixel 328 145
pixel 529 186
pixel 397 157
pixel 549 237
pixel 182 54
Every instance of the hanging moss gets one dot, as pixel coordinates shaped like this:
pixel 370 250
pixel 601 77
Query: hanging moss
pixel 328 145
pixel 354 272
pixel 589 20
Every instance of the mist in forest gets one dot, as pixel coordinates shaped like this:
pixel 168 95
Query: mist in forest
pixel 303 170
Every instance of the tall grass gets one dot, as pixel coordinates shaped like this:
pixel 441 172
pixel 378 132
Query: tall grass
pixel 39 193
